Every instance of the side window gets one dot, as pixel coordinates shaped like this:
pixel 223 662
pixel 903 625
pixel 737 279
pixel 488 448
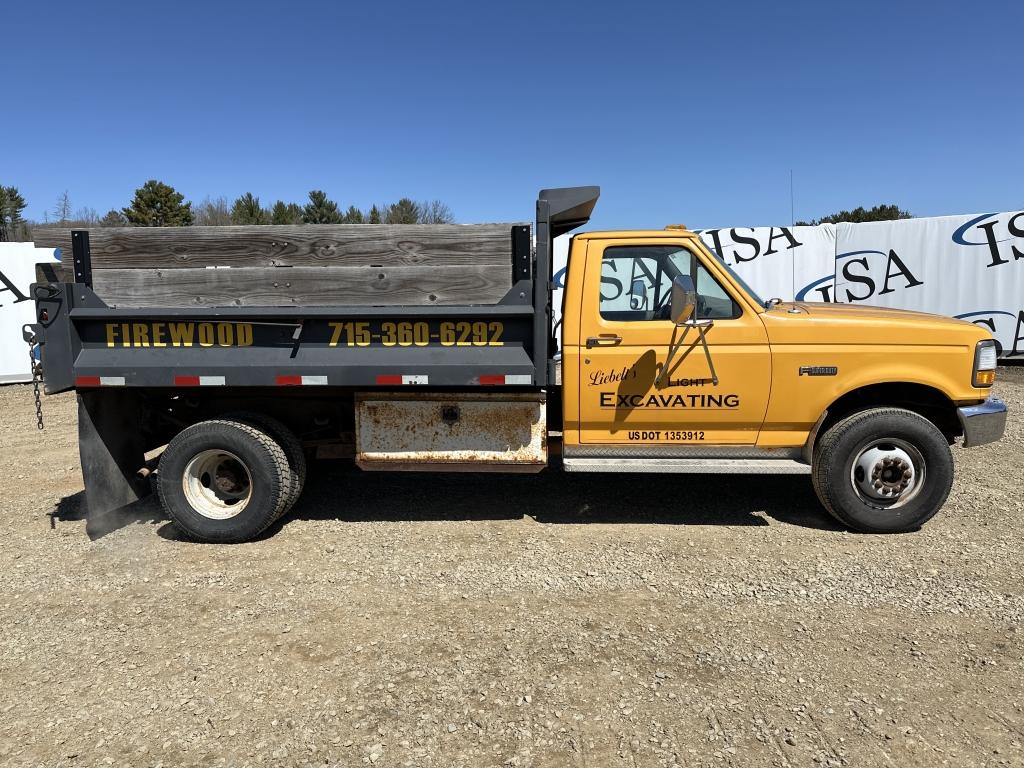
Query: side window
pixel 713 303
pixel 636 284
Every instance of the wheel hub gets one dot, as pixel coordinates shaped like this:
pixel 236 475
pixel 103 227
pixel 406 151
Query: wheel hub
pixel 227 480
pixel 217 484
pixel 884 471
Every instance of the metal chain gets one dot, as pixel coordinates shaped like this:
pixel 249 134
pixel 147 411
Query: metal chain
pixel 37 378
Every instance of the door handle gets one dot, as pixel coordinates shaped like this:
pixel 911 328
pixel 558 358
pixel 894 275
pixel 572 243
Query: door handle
pixel 604 340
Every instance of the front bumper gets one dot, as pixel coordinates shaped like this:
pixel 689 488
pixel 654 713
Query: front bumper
pixel 983 423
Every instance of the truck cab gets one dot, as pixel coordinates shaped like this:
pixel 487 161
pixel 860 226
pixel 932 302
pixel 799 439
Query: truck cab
pixel 866 400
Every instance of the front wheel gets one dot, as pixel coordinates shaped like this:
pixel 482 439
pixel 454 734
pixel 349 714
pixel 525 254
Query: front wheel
pixel 883 470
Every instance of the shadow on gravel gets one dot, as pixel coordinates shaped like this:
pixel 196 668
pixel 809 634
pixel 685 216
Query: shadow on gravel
pixel 339 491
pixel 336 490
pixel 72 508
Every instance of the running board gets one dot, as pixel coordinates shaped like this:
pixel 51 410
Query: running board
pixel 710 466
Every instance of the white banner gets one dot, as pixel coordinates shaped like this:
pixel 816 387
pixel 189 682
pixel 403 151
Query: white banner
pixel 17 272
pixel 969 266
pixel 559 262
pixel 779 262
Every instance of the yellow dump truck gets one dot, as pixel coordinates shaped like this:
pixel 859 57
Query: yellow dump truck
pixel 665 361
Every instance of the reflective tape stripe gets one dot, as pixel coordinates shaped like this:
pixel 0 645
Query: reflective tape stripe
pixel 394 378
pixel 199 381
pixel 291 380
pixel 506 378
pixel 99 381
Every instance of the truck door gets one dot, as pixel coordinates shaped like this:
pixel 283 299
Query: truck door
pixel 625 333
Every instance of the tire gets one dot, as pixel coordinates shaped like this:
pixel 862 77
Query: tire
pixel 223 481
pixel 290 444
pixel 883 470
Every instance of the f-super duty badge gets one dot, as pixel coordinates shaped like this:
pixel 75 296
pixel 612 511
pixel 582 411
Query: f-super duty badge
pixel 818 370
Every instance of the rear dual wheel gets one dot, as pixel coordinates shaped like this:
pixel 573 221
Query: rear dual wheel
pixel 226 480
pixel 290 444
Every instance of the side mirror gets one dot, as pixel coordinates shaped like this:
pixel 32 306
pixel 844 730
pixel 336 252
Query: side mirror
pixel 684 300
pixel 638 295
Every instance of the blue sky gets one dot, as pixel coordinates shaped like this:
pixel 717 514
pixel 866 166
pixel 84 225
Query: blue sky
pixel 682 112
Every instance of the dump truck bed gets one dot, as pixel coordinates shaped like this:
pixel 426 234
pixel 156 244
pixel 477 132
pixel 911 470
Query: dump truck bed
pixel 337 306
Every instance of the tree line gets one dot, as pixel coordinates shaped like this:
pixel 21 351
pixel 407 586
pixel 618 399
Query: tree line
pixel 860 215
pixel 156 204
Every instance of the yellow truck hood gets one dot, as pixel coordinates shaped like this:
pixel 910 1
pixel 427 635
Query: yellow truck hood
pixel 863 312
pixel 822 323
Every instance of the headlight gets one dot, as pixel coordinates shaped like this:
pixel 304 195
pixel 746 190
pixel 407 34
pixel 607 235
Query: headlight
pixel 985 363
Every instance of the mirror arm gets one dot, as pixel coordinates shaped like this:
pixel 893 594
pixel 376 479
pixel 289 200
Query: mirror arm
pixel 673 347
pixel 702 326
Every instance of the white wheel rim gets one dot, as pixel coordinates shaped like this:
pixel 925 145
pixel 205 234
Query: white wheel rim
pixel 217 484
pixel 887 473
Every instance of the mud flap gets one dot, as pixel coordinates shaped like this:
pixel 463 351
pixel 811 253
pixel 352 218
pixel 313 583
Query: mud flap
pixel 110 443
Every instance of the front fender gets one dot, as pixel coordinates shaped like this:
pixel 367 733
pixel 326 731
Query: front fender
pixel 799 398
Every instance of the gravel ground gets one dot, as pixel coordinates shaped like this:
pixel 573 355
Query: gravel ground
pixel 424 620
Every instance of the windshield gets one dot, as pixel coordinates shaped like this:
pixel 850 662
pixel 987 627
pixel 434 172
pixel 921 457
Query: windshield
pixel 739 280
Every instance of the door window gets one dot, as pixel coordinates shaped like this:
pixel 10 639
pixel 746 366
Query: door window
pixel 636 284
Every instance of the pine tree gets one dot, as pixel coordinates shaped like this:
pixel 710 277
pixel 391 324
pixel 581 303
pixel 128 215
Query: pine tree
pixel 158 205
pixel 247 210
pixel 12 225
pixel 405 211
pixel 353 216
pixel 320 210
pixel 113 218
pixel 286 213
pixel 374 216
